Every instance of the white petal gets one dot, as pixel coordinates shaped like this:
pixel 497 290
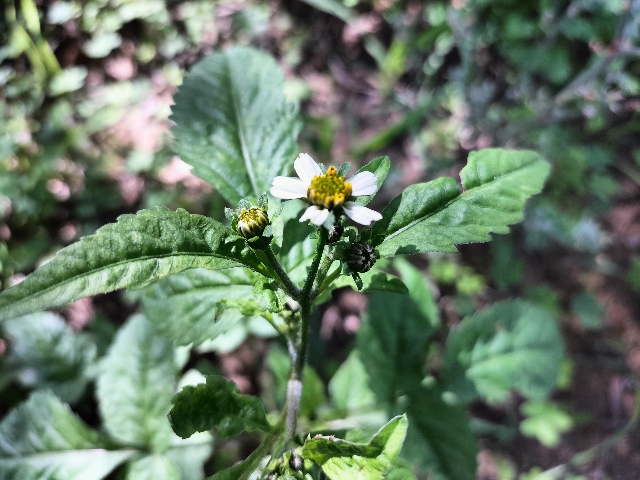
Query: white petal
pixel 316 215
pixel 363 183
pixel 288 188
pixel 360 214
pixel 306 168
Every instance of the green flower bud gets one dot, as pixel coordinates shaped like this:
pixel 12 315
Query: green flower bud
pixel 360 257
pixel 252 222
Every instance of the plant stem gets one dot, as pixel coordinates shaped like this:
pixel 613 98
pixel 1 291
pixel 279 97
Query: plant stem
pixel 291 288
pixel 327 261
pixel 298 357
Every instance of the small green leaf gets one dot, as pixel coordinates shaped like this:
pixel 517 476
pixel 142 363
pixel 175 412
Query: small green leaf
pixel 512 345
pixel 132 253
pixel 217 403
pixel 46 353
pixel 345 460
pixel 372 281
pixel 545 421
pixel 435 216
pixel 43 437
pixel 135 386
pixel 439 438
pixel 268 295
pixel 232 123
pixel 191 307
pixel 379 166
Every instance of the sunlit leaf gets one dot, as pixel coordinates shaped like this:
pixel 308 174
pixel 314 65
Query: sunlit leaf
pixel 435 216
pixel 152 467
pixel 132 253
pixel 135 386
pixel 43 440
pixel 344 460
pixel 44 352
pixel 190 307
pixel 379 166
pixel 232 123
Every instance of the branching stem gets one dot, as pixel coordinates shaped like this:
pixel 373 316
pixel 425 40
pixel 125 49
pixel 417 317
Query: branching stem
pixel 294 385
pixel 291 288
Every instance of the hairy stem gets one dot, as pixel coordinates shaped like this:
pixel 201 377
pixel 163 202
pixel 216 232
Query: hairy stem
pixel 291 288
pixel 298 359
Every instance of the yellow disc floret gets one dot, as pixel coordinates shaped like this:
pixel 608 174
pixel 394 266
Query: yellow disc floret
pixel 329 190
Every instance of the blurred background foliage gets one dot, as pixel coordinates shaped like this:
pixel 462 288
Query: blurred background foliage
pixel 86 90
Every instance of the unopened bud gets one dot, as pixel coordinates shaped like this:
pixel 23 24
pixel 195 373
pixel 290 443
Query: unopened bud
pixel 360 257
pixel 252 222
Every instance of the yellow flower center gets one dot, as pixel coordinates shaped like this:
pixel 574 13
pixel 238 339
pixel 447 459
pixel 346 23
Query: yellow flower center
pixel 252 222
pixel 329 190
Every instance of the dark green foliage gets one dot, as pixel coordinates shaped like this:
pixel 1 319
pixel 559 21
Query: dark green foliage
pixel 217 403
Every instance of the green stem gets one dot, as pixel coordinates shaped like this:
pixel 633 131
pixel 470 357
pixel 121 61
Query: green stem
pixel 299 354
pixel 291 288
pixel 327 261
pixel 330 278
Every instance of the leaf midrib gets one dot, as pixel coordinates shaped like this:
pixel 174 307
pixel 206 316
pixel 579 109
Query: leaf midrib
pixel 246 157
pixel 112 265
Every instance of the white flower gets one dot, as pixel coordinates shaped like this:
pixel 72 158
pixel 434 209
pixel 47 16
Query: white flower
pixel 327 191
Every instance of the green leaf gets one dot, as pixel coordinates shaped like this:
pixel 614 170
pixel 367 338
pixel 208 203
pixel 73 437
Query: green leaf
pixel 42 439
pixel 435 216
pixel 344 460
pixel 152 467
pixel 379 166
pixel 349 385
pixel 191 307
pixel 512 345
pixel 268 295
pixel 372 281
pixel 545 421
pixel 232 123
pixel 132 253
pixel 439 437
pixel 392 343
pixel 419 290
pixel 190 455
pixel 217 403
pixel 135 386
pixel 45 353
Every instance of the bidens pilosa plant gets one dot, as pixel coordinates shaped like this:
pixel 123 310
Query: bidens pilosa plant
pixel 277 261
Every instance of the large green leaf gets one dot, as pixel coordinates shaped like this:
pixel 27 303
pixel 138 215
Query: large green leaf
pixel 43 440
pixel 135 386
pixel 435 216
pixel 392 343
pixel 345 460
pixel 372 281
pixel 297 248
pixel 232 123
pixel 190 455
pixel 217 403
pixel 44 352
pixel 439 438
pixel 191 307
pixel 152 467
pixel 349 386
pixel 135 251
pixel 513 345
